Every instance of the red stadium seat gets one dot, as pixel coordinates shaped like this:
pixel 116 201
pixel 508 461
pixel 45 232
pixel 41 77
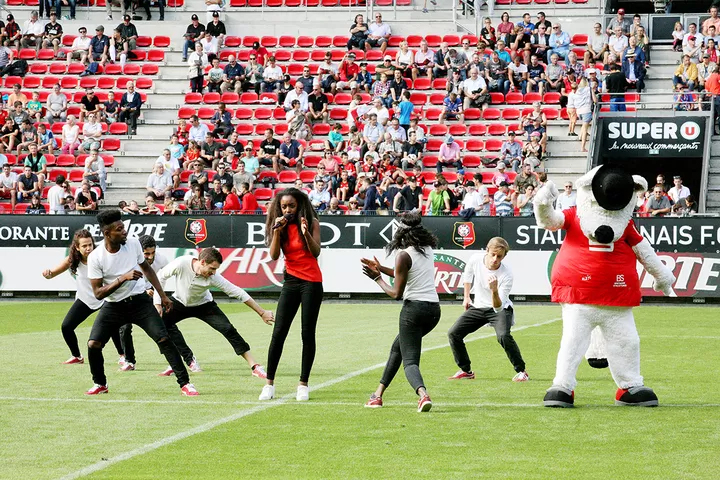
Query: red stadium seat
pixel 243 113
pixel 474 113
pixel 321 129
pixel 38 68
pixel 75 68
pixel 471 38
pixel 493 145
pixel 340 41
pixel 551 113
pixel 238 3
pixel 230 98
pixel 418 98
pixel 304 41
pixel 491 114
pixel 551 98
pixel 452 40
pixel 26 54
pixel 286 41
pixel 244 129
pixel 323 41
pixel 457 130
pixel 111 144
pixel 143 83
pixel 106 83
pixel 193 98
pixel 46 54
pixel 510 114
pixel 422 84
pixel 143 41
pixel 433 145
pixel 150 69
pixel 474 145
pixel 497 129
pixel 338 114
pixel 413 41
pixel 232 41
pixel 155 56
pixel 437 130
pixel 64 160
pixel 113 69
pixel 497 98
pixel 31 82
pixel 248 98
pixel 471 161
pixel 477 129
pixel 429 161
pixel 514 98
pixel 532 97
pixel 268 97
pixel 211 98
pixel 130 69
pixel 205 113
pixel 263 113
pixel 55 172
pixel 269 41
pixel 287 176
pixel 433 113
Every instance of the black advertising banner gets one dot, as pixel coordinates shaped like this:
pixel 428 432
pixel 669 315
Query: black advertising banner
pixel 349 232
pixel 653 137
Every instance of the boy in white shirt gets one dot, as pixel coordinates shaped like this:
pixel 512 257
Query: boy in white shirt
pixel 490 281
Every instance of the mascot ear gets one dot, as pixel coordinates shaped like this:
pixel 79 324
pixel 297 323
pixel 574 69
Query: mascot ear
pixel 640 183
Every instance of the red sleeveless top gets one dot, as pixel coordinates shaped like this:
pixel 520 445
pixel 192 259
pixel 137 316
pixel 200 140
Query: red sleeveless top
pixel 299 261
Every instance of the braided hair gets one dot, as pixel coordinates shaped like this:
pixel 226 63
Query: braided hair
pixel 411 233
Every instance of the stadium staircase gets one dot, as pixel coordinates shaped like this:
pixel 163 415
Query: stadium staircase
pixel 166 90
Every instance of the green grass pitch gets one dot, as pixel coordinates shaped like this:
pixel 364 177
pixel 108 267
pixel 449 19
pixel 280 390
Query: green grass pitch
pixel 486 428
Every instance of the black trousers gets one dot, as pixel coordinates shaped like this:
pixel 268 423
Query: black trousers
pixel 196 84
pixel 78 313
pixel 131 116
pixel 296 292
pixel 417 319
pixel 471 321
pixel 127 343
pixel 140 311
pixel 209 313
pixel 161 6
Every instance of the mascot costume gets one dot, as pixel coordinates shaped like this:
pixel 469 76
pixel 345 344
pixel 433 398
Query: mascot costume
pixel 595 279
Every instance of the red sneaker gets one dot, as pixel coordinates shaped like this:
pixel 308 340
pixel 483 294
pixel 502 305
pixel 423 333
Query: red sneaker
pixel 424 404
pixel 460 375
pixel 189 390
pixel 127 367
pixel 374 402
pixel 97 390
pixel 166 373
pixel 259 372
pixel 74 360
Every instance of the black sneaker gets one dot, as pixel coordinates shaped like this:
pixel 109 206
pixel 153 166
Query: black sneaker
pixel 636 397
pixel 557 397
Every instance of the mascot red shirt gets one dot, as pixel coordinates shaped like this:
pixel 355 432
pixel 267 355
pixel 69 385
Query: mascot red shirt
pixel 597 274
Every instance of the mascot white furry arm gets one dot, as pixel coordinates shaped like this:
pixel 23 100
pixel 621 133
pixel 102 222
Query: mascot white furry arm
pixel 595 280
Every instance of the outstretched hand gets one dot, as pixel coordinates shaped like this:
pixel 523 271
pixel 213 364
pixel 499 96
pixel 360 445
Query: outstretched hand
pixel 47 274
pixel 374 263
pixel 370 270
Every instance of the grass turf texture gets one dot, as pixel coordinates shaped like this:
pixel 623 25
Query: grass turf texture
pixel 485 428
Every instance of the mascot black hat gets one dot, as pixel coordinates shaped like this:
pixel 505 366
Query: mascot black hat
pixel 613 187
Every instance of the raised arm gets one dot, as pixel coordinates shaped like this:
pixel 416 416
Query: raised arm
pixel 403 263
pixel 546 215
pixel 54 272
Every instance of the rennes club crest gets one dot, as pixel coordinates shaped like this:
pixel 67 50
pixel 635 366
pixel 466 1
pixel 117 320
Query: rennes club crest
pixel 463 234
pixel 196 230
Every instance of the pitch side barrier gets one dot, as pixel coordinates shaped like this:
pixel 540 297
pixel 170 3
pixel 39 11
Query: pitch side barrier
pixel 30 244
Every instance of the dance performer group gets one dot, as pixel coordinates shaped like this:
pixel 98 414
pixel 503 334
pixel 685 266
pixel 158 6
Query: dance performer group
pixel 124 278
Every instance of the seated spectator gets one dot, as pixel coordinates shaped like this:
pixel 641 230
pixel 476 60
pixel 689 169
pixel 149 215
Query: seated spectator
pixel 197 201
pixel 130 104
pixel 160 182
pixel 518 76
pixel 620 21
pixel 396 131
pixel 198 131
pixel 95 171
pixel 35 208
pixel 171 165
pixel 678 34
pixel 9 136
pixel 358 33
pixel 222 120
pixel 455 60
pixel 32 32
pixel 290 154
pixel 567 198
pixel 6 57
pixel 440 70
pixel 115 49
pixel 110 109
pixel 496 75
pixel 532 151
pixel 272 76
pixel 438 201
pixel 523 201
pixel 519 45
pixel 17 96
pixel 634 72
pixel 319 196
pixel 214 76
pixel 150 207
pixel 412 152
pixel 617 43
pixel 424 62
pixel 404 60
pixel 249 202
pixel 597 47
pixel 683 100
pixel 216 30
pixel 27 185
pixel 98 51
pixel 334 208
pixel 261 53
pixel 38 164
pixel 453 108
pixel 242 175
pixel 500 175
pixel 223 175
pixel 686 74
pixel 197 62
pixel 685 207
pixel 449 155
pixel 396 88
pixel 195 31
pixel 347 73
pixel 297 93
pixel 209 47
pixel 253 75
pixel 503 201
pixel 11 35
pixel 559 42
pixel 232 201
pixel 52 34
pixel 536 75
pixel 575 67
pixel 554 74
pixel 381 90
pixel 524 178
pixel 378 34
pixel 678 191
pixel 335 142
pixel 233 76
pixel 658 204
pixel 28 136
pixel 91 134
pixel 9 184
pixel 511 152
pixel 344 186
pixel 216 196
pixel 86 200
pixel 70 136
pixel 34 108
pixel 128 34
pixel 211 151
pixel 703 69
pixel 295 119
pixel 475 91
pixel 390 147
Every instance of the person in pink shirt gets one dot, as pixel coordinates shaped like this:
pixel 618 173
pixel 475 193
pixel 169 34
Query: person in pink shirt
pixel 449 155
pixel 500 175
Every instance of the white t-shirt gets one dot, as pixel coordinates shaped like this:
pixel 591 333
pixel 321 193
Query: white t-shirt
pixel 55 196
pixel 159 262
pixel 9 181
pixel 677 194
pixel 421 276
pixel 477 274
pixel 272 73
pixel 70 134
pixel 471 86
pixel 84 291
pixel 565 201
pixel 81 43
pixel 90 129
pixel 472 200
pixel 379 30
pixel 111 266
pixel 618 44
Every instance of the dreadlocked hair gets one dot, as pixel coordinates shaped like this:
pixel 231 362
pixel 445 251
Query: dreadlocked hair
pixel 411 233
pixel 75 255
pixel 304 210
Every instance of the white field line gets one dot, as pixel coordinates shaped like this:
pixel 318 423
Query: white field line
pixel 339 404
pixel 95 467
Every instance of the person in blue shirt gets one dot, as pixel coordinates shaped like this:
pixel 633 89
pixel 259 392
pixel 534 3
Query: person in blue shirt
pixel 527 24
pixel 406 109
pixel 559 43
pixel 233 76
pixel 452 109
pixel 364 79
pixel 99 46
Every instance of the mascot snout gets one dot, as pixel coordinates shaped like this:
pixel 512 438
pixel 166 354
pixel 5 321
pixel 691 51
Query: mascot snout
pixel 604 234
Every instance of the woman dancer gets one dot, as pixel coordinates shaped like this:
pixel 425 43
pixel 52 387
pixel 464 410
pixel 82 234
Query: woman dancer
pixel 85 301
pixel 414 275
pixel 293 228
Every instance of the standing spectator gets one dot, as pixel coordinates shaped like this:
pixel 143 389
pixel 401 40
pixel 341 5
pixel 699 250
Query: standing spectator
pixel 619 21
pixel 597 46
pixel 92 133
pixel 161 7
pixel 210 47
pixel 159 183
pixel 503 201
pixel 130 104
pixel 567 198
pixel 290 155
pixel 679 191
pixel 95 171
pixel 196 67
pixel 89 104
pixel 9 185
pixel 216 30
pixel 70 136
pixel 110 109
pixel 11 35
pixel 358 33
pixel 449 155
pixel 585 100
pixel 317 103
pixel 378 34
pixel 658 204
pixel 213 7
pixel 686 74
pixel 52 35
pixel 559 42
pixel 233 76
pixel 195 31
pixel 272 76
pixel 57 105
pixel 643 42
pixel 32 32
pixel 99 45
pixel 634 72
pixel 438 201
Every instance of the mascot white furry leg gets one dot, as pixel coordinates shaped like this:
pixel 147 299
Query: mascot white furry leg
pixel 595 280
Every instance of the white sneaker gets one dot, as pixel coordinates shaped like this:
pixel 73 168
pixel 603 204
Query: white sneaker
pixel 521 377
pixel 195 366
pixel 303 393
pixel 268 392
pixel 121 360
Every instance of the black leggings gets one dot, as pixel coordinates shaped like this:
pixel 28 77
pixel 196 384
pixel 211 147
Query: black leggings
pixel 78 313
pixel 295 292
pixel 417 319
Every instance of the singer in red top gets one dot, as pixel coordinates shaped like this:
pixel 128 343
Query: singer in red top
pixel 292 228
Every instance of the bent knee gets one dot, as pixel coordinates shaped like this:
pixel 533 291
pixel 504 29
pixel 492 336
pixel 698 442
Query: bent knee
pixel 94 344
